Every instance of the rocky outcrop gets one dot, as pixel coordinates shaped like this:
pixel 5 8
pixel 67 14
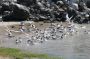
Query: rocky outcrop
pixel 42 10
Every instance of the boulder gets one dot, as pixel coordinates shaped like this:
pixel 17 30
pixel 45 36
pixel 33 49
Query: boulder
pixel 88 4
pixel 4 7
pixel 19 12
pixel 26 2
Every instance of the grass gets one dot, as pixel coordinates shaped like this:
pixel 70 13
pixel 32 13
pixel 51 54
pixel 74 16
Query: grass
pixel 18 54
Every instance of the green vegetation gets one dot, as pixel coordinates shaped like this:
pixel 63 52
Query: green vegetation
pixel 17 54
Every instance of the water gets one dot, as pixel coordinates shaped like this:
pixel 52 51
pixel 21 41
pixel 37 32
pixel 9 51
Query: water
pixel 71 47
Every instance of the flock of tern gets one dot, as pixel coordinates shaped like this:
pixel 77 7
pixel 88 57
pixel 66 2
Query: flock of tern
pixel 34 35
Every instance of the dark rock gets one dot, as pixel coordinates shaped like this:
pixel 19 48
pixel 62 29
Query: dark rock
pixel 43 10
pixel 19 12
pixel 4 7
pixel 26 2
pixel 88 4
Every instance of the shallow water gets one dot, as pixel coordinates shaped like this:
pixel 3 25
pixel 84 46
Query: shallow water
pixel 71 47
